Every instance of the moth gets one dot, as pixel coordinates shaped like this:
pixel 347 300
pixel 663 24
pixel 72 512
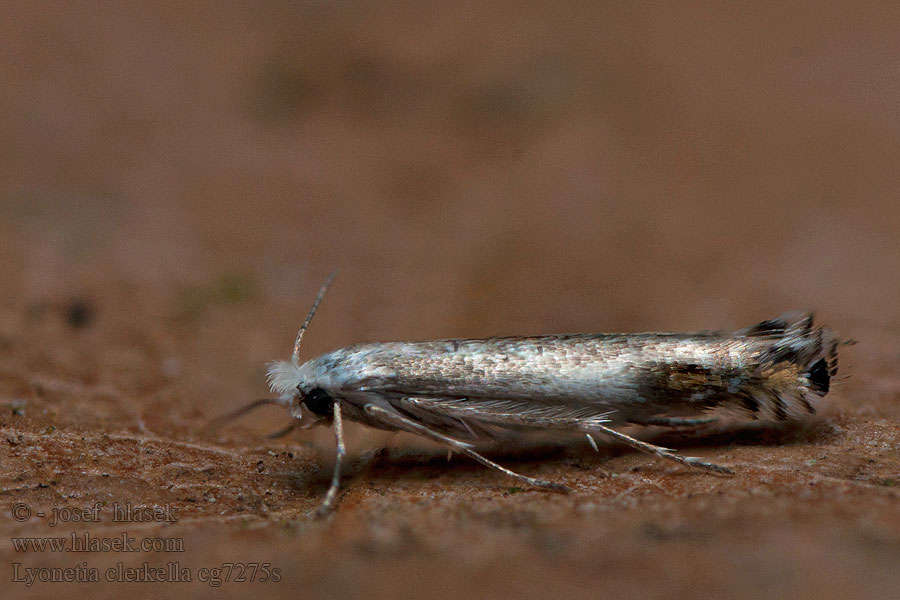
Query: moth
pixel 460 391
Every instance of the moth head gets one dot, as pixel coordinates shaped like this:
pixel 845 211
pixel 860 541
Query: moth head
pixel 297 389
pixel 295 384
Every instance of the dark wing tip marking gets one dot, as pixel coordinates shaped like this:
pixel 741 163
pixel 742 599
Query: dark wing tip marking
pixel 820 377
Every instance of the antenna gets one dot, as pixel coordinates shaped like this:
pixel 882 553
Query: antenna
pixel 240 412
pixel 295 359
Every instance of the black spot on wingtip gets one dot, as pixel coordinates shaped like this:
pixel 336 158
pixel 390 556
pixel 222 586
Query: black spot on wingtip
pixel 820 377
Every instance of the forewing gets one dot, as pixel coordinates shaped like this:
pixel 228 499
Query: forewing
pixel 476 418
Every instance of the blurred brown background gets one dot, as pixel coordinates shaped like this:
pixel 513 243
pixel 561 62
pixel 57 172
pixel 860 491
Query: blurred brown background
pixel 176 180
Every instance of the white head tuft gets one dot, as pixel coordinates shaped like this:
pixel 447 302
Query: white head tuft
pixel 283 377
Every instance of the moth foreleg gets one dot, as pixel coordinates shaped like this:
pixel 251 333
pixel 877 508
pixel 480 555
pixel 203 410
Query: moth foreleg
pixel 340 451
pixel 691 461
pixel 400 422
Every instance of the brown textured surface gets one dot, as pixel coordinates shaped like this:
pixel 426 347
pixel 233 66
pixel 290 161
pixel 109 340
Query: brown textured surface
pixel 176 181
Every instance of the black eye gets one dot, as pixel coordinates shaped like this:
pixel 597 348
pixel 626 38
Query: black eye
pixel 318 402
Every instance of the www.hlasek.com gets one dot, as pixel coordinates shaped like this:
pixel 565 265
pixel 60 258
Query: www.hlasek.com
pixel 85 542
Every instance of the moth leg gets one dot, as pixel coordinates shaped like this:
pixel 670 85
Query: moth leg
pixel 676 421
pixel 691 461
pixel 283 432
pixel 541 483
pixel 400 422
pixel 340 451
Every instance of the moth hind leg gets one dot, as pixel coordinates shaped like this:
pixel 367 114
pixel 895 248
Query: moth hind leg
pixel 541 483
pixel 399 421
pixel 691 461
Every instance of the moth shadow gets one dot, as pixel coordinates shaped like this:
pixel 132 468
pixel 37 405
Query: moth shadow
pixel 531 453
pixel 744 433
